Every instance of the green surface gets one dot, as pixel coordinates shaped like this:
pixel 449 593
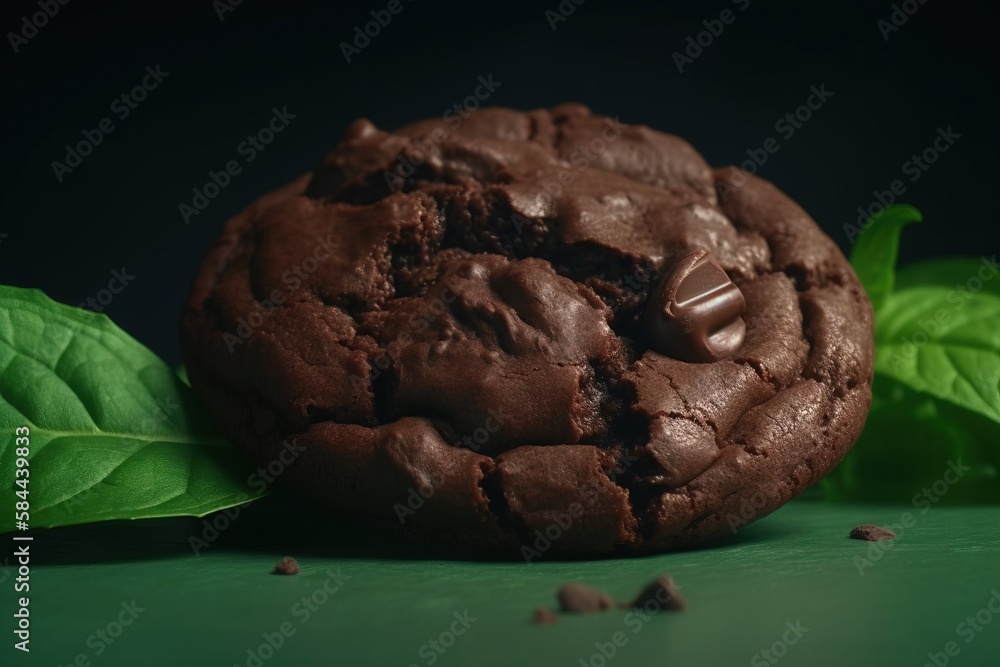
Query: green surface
pixel 796 566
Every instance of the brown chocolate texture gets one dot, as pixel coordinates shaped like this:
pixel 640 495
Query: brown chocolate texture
pixel 449 320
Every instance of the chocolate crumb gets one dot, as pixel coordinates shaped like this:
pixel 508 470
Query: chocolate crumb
pixel 544 616
pixel 577 598
pixel 660 594
pixel 872 533
pixel 288 565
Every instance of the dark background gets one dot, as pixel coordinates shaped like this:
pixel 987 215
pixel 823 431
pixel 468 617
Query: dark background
pixel 119 208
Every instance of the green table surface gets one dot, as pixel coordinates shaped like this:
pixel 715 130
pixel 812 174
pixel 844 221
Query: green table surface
pixel 796 568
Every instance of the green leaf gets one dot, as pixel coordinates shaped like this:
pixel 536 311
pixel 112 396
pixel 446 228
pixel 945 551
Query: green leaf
pixel 114 432
pixel 907 445
pixel 936 396
pixel 944 343
pixel 962 274
pixel 877 249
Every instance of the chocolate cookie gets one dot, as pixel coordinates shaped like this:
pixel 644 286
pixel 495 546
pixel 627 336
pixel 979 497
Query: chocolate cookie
pixel 544 331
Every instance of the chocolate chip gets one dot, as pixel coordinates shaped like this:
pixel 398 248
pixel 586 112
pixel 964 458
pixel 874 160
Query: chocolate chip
pixel 695 313
pixel 288 565
pixel 872 533
pixel 658 595
pixel 544 616
pixel 582 599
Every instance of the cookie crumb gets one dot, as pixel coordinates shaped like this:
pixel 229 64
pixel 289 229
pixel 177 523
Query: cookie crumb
pixel 544 616
pixel 288 565
pixel 580 599
pixel 659 594
pixel 872 533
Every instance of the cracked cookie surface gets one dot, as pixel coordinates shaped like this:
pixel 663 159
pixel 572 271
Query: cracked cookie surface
pixel 448 318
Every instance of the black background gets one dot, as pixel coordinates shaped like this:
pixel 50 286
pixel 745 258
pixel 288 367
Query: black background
pixel 119 208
